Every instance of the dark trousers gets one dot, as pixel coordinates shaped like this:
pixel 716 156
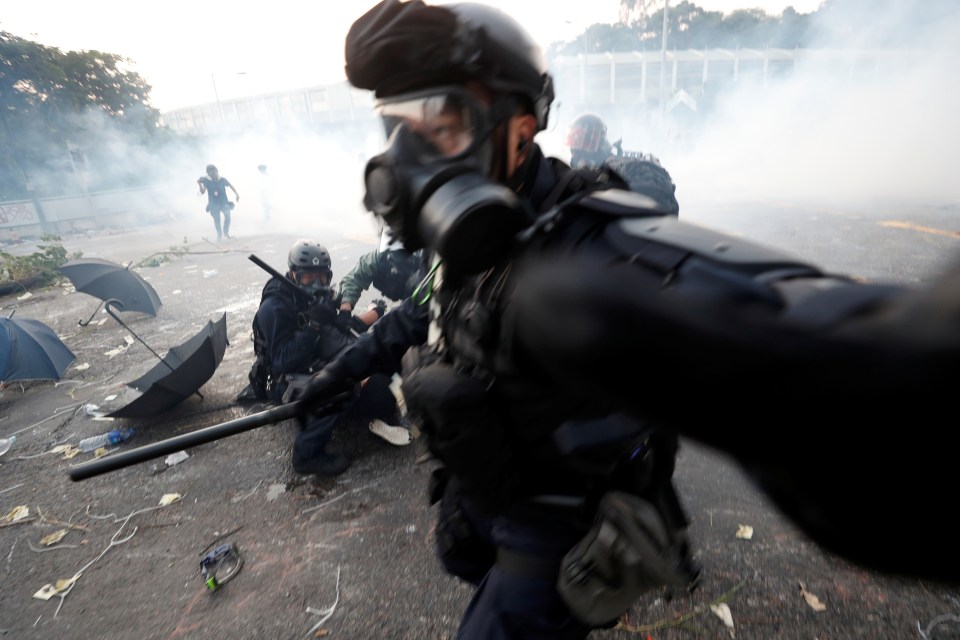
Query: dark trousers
pixel 375 400
pixel 508 604
pixel 215 214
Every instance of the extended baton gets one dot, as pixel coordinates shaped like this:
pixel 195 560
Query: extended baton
pixel 124 459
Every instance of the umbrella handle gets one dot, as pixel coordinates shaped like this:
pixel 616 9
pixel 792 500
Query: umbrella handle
pixel 83 323
pixel 108 309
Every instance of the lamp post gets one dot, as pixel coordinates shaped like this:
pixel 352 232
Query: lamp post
pixel 216 94
pixel 223 118
pixel 663 59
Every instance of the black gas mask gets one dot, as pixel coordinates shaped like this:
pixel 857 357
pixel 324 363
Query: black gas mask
pixel 431 186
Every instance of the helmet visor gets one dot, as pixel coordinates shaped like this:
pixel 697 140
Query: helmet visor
pixel 447 123
pixel 588 138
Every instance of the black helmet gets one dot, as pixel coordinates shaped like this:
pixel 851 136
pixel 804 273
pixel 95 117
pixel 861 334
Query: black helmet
pixel 211 169
pixel 307 255
pixel 588 134
pixel 398 47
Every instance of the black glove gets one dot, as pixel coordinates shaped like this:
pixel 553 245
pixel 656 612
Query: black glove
pixel 321 314
pixel 379 306
pixel 346 321
pixel 325 390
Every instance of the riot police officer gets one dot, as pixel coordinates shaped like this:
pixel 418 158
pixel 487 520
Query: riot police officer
pixel 839 385
pixel 589 147
pixel 528 467
pixel 297 330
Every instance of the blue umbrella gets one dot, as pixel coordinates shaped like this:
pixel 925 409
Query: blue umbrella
pixel 30 350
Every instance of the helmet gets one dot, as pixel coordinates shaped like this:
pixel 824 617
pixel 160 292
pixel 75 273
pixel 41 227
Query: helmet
pixel 307 255
pixel 398 47
pixel 211 169
pixel 588 134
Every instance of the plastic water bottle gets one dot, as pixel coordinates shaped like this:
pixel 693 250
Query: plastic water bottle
pixel 6 443
pixel 105 439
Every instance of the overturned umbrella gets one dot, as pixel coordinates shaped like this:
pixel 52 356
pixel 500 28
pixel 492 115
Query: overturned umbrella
pixel 30 350
pixel 111 281
pixel 180 373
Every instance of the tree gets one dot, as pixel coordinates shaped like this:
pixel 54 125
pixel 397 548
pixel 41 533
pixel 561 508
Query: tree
pixel 54 104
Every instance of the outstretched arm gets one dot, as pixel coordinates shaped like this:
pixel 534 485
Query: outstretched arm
pixel 828 392
pixel 358 279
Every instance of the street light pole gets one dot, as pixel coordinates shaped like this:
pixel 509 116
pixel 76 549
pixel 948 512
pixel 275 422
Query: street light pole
pixel 663 59
pixel 223 118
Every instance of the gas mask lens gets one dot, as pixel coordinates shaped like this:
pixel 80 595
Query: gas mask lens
pixel 313 281
pixel 446 124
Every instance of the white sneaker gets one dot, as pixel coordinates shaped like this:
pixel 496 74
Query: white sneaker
pixel 399 436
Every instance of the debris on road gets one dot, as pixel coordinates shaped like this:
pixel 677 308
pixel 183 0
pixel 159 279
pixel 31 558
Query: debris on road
pixel 53 538
pixel 176 458
pixel 811 599
pixel 745 532
pixel 722 611
pixel 17 513
pixel 315 630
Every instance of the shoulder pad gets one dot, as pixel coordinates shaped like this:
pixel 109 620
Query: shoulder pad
pixel 688 239
pixel 622 203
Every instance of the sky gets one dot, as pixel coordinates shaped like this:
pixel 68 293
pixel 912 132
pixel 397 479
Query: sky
pixel 823 134
pixel 196 52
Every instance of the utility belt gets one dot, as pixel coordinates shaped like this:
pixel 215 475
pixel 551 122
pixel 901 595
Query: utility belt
pixel 629 549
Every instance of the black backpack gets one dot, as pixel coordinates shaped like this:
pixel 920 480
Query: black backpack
pixel 261 379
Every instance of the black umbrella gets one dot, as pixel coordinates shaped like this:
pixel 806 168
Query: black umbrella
pixel 111 281
pixel 30 350
pixel 180 373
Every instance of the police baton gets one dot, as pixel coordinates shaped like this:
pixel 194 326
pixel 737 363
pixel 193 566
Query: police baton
pixel 202 436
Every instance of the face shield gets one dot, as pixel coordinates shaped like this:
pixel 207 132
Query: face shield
pixel 431 185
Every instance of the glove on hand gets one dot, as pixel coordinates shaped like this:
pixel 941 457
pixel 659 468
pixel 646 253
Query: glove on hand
pixel 322 314
pixel 347 321
pixel 324 390
pixel 379 306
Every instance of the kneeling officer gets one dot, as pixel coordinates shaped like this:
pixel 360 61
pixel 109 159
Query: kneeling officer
pixel 297 330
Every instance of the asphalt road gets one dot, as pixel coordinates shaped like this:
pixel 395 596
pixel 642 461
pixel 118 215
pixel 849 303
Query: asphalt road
pixel 359 547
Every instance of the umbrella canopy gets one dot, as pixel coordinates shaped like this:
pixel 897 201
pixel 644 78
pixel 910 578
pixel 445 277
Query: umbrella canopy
pixel 180 374
pixel 30 350
pixel 108 280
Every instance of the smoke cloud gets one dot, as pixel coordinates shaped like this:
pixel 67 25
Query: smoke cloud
pixel 851 123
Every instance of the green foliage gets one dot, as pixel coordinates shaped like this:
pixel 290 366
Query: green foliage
pixel 159 258
pixel 41 263
pixel 59 111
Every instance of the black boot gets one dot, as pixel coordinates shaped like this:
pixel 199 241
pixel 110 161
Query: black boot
pixel 325 464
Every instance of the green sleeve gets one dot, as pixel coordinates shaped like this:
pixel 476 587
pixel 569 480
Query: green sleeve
pixel 360 277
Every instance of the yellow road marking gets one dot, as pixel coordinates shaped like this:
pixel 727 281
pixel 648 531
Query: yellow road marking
pixel 916 227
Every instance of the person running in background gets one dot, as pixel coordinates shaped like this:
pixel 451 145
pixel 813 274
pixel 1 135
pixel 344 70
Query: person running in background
pixel 215 186
pixel 266 191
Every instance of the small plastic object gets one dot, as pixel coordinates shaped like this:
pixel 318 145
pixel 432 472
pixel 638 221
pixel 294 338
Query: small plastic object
pixel 220 565
pixel 105 439
pixel 176 458
pixel 6 443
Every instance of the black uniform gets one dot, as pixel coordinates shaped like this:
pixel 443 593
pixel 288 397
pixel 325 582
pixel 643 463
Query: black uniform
pixel 296 345
pixel 526 461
